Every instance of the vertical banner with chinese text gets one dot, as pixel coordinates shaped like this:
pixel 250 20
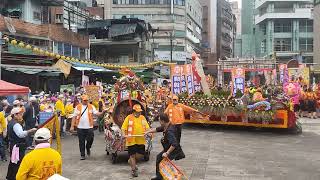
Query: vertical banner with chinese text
pixel 189 77
pixel 175 71
pixel 183 80
pixel 238 80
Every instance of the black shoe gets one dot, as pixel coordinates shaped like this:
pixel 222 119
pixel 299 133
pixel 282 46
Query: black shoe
pixel 82 158
pixel 88 152
pixel 4 160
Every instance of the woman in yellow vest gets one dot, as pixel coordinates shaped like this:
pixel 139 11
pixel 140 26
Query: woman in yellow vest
pixel 134 127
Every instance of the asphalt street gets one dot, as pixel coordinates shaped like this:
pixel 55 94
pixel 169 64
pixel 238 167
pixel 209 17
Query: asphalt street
pixel 212 153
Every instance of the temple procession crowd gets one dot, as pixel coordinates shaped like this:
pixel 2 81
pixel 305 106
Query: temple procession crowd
pixel 19 125
pixel 20 130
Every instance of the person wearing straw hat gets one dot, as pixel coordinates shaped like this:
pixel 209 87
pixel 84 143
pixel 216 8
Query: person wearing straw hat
pixel 43 161
pixel 17 142
pixel 133 128
pixel 83 120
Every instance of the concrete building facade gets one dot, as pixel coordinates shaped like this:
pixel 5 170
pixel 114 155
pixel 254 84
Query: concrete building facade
pixel 219 32
pixel 316 40
pixel 281 28
pixel 177 24
pixel 285 28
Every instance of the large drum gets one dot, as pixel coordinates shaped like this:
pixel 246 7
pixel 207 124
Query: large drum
pixel 123 109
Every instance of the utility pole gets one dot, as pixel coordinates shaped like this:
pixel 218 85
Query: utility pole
pixel 1 43
pixel 171 47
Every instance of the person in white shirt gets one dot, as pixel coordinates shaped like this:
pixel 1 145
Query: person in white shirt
pixel 17 136
pixel 83 120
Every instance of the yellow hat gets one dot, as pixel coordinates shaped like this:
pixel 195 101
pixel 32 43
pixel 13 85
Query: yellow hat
pixel 84 97
pixel 137 108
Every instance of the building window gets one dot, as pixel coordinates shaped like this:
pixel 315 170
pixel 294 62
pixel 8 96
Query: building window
pixel 306 44
pixel 282 26
pixel 67 49
pixel 36 16
pixel 60 48
pixel 306 26
pixel 283 44
pixel 75 52
pixel 59 18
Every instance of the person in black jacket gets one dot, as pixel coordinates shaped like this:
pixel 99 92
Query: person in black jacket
pixel 171 146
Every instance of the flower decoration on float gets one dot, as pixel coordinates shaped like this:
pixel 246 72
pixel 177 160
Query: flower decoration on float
pixel 63 57
pixel 58 56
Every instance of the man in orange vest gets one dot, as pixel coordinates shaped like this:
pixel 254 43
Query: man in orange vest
pixel 176 112
pixel 134 127
pixel 83 120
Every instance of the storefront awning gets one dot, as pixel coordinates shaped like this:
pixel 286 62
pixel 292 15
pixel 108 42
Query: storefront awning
pixel 86 67
pixel 39 70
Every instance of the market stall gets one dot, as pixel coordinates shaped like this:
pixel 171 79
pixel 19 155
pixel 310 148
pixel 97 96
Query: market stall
pixel 7 88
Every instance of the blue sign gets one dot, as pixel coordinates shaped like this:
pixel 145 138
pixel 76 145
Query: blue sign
pixel 44 116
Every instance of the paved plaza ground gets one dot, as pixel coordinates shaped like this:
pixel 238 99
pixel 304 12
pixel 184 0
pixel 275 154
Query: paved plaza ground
pixel 212 153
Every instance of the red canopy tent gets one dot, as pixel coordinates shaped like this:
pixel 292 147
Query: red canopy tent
pixel 7 88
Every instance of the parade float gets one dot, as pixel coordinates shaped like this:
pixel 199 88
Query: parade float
pixel 127 92
pixel 240 106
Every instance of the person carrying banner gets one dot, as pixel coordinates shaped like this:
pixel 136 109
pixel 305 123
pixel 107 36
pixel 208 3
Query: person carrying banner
pixel 171 146
pixel 17 142
pixel 83 120
pixel 176 112
pixel 43 161
pixel 134 127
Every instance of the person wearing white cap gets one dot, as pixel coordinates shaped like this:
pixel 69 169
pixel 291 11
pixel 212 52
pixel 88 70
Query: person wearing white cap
pixel 43 162
pixel 30 116
pixel 16 136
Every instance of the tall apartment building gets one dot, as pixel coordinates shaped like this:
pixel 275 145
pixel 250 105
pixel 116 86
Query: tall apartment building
pixel 237 13
pixel 218 33
pixel 178 24
pixel 316 36
pixel 284 28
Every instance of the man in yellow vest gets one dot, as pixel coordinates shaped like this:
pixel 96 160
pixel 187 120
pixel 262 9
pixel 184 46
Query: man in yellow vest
pixel 43 161
pixel 134 127
pixel 83 120
pixel 176 112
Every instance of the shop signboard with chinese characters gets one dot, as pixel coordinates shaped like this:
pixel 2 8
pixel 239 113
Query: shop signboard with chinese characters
pixel 238 80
